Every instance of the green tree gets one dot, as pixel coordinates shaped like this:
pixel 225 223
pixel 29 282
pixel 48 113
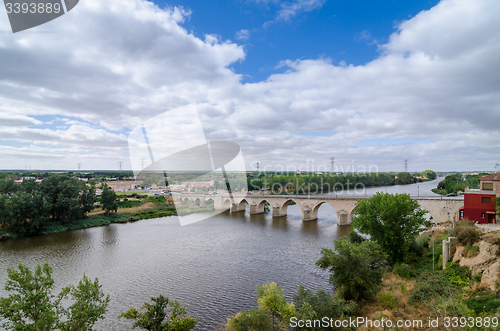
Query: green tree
pixel 405 178
pixel 252 320
pixel 153 318
pixel 356 268
pixel 89 306
pixel 108 200
pixel 429 174
pixel 273 312
pixel 33 307
pixel 391 220
pixel 271 299
pixel 313 306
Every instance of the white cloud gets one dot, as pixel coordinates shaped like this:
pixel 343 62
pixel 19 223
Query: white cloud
pixel 117 63
pixel 243 34
pixel 291 9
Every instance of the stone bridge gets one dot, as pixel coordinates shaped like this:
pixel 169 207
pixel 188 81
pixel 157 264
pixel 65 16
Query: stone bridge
pixel 442 209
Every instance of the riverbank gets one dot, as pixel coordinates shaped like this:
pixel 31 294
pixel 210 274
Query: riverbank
pixel 422 291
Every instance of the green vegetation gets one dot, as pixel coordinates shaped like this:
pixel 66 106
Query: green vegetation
pixel 356 268
pixel 314 183
pixel 108 200
pixel 313 306
pixel 483 304
pixel 466 233
pixel 458 181
pixel 162 315
pixel 429 174
pixel 393 221
pixel 404 270
pixel 273 312
pixel 32 306
pixel 28 208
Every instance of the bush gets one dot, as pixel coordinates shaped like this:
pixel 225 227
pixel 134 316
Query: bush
pixel 430 285
pixel 483 303
pixel 388 301
pixel 456 275
pixel 470 251
pixel 355 237
pixel 466 235
pixel 404 270
pixel 356 268
pixel 311 306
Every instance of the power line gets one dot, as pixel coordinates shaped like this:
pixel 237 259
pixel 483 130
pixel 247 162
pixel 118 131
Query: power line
pixel 332 164
pixel 121 163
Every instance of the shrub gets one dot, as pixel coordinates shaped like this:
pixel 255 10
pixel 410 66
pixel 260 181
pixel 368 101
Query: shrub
pixel 430 285
pixel 388 301
pixel 470 251
pixel 355 237
pixel 467 235
pixel 483 303
pixel 404 270
pixel 456 275
pixel 310 306
pixel 356 268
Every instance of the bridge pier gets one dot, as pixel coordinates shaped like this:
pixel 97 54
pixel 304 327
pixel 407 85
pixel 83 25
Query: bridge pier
pixel 278 212
pixel 236 207
pixel 343 218
pixel 308 214
pixel 257 209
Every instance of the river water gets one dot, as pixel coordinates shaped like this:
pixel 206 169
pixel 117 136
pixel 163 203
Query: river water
pixel 211 267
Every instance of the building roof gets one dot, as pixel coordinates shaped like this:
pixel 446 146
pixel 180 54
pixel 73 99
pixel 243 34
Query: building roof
pixel 495 176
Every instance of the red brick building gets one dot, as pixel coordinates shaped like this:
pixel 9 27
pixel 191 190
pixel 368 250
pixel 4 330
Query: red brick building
pixel 479 204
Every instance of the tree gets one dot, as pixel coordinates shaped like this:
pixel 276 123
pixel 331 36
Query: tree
pixel 108 200
pixel 273 313
pixel 89 306
pixel 356 268
pixel 391 220
pixel 33 307
pixel 313 306
pixel 405 178
pixel 153 319
pixel 429 174
pixel 271 299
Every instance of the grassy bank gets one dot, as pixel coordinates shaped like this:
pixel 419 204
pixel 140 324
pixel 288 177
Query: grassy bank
pixel 128 211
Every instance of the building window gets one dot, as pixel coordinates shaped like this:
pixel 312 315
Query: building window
pixel 482 215
pixel 461 214
pixel 486 200
pixel 488 186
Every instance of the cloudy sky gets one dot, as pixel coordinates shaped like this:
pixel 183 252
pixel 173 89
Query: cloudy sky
pixel 293 82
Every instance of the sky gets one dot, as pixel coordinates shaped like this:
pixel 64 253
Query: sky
pixel 294 83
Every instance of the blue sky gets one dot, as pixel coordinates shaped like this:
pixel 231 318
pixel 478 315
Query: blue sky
pixel 296 82
pixel 348 31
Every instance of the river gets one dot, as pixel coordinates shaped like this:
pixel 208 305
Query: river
pixel 211 267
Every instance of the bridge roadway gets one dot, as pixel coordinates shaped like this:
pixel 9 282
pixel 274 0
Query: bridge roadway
pixel 441 209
